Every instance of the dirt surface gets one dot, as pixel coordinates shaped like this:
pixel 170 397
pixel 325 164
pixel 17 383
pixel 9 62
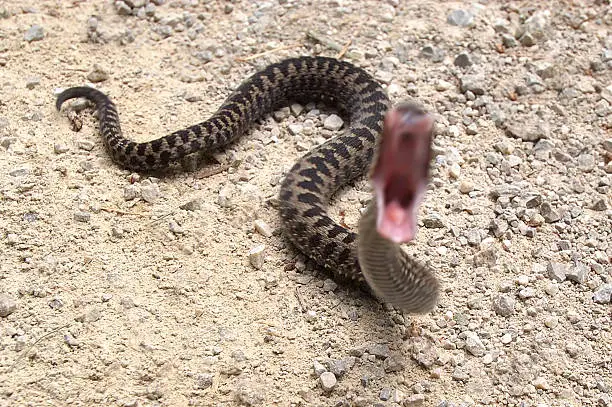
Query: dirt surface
pixel 115 292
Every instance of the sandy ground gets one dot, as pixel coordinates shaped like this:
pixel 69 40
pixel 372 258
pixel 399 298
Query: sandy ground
pixel 113 293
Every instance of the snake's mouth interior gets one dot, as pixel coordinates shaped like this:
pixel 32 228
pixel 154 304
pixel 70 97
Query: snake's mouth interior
pixel 399 175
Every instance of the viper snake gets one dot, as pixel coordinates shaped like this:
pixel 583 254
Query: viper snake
pixel 396 140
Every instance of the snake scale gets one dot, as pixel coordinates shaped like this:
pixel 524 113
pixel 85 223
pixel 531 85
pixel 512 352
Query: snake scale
pixel 310 184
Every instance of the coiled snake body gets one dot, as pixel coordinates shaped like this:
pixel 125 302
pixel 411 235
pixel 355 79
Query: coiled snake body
pixel 312 181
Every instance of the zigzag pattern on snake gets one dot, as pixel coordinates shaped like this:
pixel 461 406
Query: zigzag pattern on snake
pixel 307 188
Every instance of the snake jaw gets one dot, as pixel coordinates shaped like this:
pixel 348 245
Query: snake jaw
pixel 400 173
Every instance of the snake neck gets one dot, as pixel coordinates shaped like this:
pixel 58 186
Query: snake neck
pixel 390 272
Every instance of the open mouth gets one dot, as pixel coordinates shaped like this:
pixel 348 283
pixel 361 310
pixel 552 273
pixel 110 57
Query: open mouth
pixel 400 174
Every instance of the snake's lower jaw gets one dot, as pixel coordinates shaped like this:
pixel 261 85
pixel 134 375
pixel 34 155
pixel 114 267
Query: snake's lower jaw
pixel 396 223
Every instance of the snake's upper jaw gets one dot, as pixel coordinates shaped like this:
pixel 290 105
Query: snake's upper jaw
pixel 400 174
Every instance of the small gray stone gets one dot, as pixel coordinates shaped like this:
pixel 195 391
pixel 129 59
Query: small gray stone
pixel 430 52
pixel 86 145
pixel 577 273
pixel 528 129
pixel 193 205
pixel 256 256
pixel 586 162
pixel 527 39
pixel 393 363
pixel 281 114
pixel 463 60
pixel 380 350
pixel 533 201
pixel 340 366
pixel 60 148
pixel 556 271
pixel 98 74
pixel 328 381
pixel 329 285
pixel 549 214
pixel 526 293
pixel 603 295
pixel 414 400
pixel 82 216
pixel 599 205
pixel 474 345
pixel 31 83
pixel 333 122
pixel 149 191
pixel 34 33
pixel 504 305
pixel 262 227
pixel 461 18
pixel 122 8
pixel 473 83
pixel 433 221
pixel 131 192
pixel 385 394
pixel 509 41
pixel 383 76
pixel 204 381
pixel 318 368
pixel 7 305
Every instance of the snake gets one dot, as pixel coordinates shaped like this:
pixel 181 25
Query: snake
pixel 393 141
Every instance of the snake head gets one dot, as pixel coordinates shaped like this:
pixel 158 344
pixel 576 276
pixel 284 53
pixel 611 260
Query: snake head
pixel 400 172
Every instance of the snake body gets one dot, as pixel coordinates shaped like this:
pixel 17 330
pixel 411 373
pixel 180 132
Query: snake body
pixel 309 185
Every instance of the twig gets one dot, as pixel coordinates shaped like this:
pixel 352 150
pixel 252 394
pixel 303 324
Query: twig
pixel 299 299
pixel 271 51
pixel 120 212
pixel 214 171
pixel 328 43
pixel 29 348
pixel 344 49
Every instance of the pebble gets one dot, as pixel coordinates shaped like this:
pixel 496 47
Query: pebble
pixel 556 271
pixel 465 186
pixel 34 33
pixel 442 85
pixel 82 216
pixel 430 52
pixel 383 76
pixel 60 148
pixel 262 228
pixel 31 83
pixel 7 305
pixel 131 192
pixel 526 293
pixel 433 221
pixel 603 295
pixel 531 128
pixel 393 363
pixel 460 17
pixel 193 205
pixel 577 273
pixel 318 368
pixel 329 285
pixel 256 256
pixel 550 214
pixel 463 60
pixel 204 381
pixel 504 305
pixel 86 145
pixel 328 381
pixel 333 122
pixel 474 345
pixel 473 83
pixel 149 191
pixel 98 74
pixel 380 350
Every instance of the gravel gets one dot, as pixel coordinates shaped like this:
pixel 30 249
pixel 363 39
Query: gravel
pixel 515 222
